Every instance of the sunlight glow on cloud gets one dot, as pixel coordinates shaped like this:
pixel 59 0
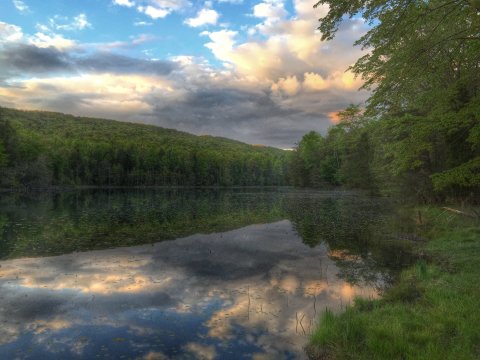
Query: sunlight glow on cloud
pixel 268 80
pixel 43 40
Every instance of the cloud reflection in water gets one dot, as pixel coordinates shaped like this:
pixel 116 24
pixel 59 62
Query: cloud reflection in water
pixel 254 292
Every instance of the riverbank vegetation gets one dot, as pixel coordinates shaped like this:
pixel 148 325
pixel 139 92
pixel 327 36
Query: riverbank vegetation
pixel 42 149
pixel 417 137
pixel 431 313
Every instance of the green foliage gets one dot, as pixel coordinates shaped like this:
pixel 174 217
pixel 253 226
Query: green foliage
pixel 3 156
pixel 419 135
pixel 432 313
pixel 343 157
pixel 46 148
pixel 465 175
pixel 47 224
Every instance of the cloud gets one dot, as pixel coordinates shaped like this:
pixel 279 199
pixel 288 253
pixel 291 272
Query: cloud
pixel 61 23
pixel 200 351
pixel 31 59
pixel 288 85
pixel 114 63
pixel 142 23
pixel 271 86
pixel 57 41
pixel 314 82
pixel 28 59
pixel 133 42
pixel 153 12
pixel 127 3
pixel 21 6
pixel 10 33
pixel 270 10
pixel 157 9
pixel 221 43
pixel 204 17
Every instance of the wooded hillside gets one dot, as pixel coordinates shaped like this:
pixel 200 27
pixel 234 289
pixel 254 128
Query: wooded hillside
pixel 45 148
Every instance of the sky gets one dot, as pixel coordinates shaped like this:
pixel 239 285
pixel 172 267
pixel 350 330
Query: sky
pixel 251 70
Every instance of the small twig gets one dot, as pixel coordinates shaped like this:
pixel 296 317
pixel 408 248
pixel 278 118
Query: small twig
pixel 455 211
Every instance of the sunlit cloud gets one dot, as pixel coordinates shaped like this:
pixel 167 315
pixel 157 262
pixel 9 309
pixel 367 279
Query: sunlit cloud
pixel 267 82
pixel 200 351
pixel 43 40
pixel 273 292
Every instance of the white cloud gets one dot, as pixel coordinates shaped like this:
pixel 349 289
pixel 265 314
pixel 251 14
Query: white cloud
pixel 221 43
pixel 153 12
pixel 142 23
pixel 43 40
pixel 204 17
pixel 272 12
pixel 61 23
pixel 155 9
pixel 10 33
pixel 269 10
pixel 304 9
pixel 21 6
pixel 80 22
pixel 127 3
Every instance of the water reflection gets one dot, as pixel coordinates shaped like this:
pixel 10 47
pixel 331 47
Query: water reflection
pixel 253 292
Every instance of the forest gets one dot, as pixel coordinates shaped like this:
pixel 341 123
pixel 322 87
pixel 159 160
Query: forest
pixel 419 132
pixel 418 135
pixel 42 149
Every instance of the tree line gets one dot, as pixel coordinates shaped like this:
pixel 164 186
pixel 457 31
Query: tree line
pixel 419 132
pixel 40 149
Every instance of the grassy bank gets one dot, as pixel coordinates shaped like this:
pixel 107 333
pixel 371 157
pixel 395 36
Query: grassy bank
pixel 432 313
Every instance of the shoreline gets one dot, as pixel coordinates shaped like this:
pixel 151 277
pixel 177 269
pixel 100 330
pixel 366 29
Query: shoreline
pixel 432 312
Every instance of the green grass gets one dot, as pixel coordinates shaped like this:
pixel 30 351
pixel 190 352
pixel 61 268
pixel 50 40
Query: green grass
pixel 433 312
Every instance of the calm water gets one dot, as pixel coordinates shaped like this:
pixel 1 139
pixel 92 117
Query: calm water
pixel 183 274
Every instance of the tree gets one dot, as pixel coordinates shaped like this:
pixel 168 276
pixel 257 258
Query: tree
pixel 422 66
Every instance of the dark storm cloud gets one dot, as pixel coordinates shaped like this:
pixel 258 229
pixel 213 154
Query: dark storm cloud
pixel 108 62
pixel 22 59
pixel 249 116
pixel 33 60
pixel 239 114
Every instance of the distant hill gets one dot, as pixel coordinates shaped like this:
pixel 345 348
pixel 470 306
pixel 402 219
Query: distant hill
pixel 39 148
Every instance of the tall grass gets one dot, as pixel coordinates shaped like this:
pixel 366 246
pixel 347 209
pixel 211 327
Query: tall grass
pixel 433 312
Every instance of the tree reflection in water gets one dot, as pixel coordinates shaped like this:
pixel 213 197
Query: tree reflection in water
pixel 247 275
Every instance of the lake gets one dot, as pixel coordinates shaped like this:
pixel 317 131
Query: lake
pixel 187 274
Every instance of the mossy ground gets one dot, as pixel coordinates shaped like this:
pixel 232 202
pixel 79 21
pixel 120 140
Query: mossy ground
pixel 433 312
